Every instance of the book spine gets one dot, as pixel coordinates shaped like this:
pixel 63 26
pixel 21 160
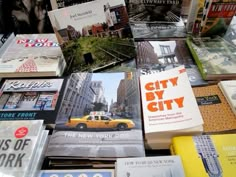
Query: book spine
pixel 199 14
pixel 192 15
pixel 195 57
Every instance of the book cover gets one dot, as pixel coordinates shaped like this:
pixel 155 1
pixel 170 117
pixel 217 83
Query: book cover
pixel 96 38
pixel 157 30
pixel 206 155
pixel 30 99
pixel 228 89
pixel 216 113
pixel 152 19
pixel 217 17
pixel 19 142
pixel 169 166
pixel 99 119
pixel 78 173
pixel 157 56
pixel 32 54
pixel 25 17
pixel 154 10
pixel 215 57
pixel 168 102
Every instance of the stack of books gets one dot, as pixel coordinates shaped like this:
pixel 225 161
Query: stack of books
pixel 23 145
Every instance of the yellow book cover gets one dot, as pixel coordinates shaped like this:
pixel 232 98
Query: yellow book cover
pixel 207 155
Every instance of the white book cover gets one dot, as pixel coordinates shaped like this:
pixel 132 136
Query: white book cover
pixel 228 88
pixel 34 54
pixel 18 143
pixel 168 101
pixel 159 166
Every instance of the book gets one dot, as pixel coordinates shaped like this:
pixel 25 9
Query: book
pixel 19 143
pixel 76 173
pixel 192 15
pixel 158 30
pixel 99 119
pixel 216 113
pixel 168 102
pixel 228 89
pixel 196 17
pixel 154 166
pixel 214 57
pixel 157 56
pixel 217 17
pixel 154 11
pixel 31 99
pixel 230 34
pixel 25 17
pixel 169 107
pixel 206 155
pixel 34 55
pixel 96 38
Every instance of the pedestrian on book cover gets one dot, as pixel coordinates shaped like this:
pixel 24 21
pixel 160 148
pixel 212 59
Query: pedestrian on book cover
pixel 25 16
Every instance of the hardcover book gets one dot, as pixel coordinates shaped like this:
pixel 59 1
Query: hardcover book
pixel 157 56
pixel 96 38
pixel 99 119
pixel 30 99
pixel 206 155
pixel 228 89
pixel 34 55
pixel 154 10
pixel 155 19
pixel 154 166
pixel 78 173
pixel 215 110
pixel 215 57
pixel 168 102
pixel 217 15
pixel 19 143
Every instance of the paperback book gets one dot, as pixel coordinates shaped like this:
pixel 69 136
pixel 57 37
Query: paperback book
pixel 153 166
pixel 34 55
pixel 169 107
pixel 228 89
pixel 98 119
pixel 168 102
pixel 96 38
pixel 215 110
pixel 31 99
pixel 215 57
pixel 206 155
pixel 155 56
pixel 20 142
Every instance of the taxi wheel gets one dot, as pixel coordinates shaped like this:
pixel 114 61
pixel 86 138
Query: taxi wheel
pixel 122 126
pixel 81 127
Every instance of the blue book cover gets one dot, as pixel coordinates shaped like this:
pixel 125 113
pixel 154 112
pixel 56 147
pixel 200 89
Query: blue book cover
pixel 78 173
